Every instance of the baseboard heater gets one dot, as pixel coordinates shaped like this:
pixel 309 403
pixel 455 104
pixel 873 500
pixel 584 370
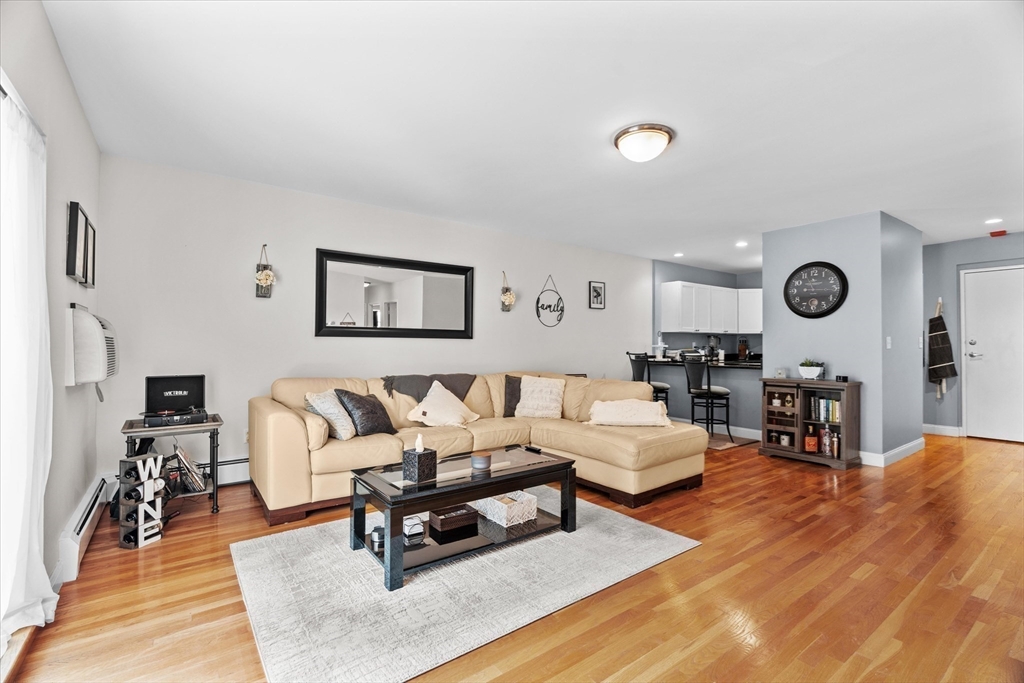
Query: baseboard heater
pixel 76 535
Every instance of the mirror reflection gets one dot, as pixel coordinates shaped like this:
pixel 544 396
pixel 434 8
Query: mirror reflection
pixel 375 296
pixel 359 295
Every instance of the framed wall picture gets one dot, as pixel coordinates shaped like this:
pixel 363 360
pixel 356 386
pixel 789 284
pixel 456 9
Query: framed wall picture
pixel 596 294
pixel 90 256
pixel 78 223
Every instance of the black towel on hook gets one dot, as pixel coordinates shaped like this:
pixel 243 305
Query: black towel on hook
pixel 940 352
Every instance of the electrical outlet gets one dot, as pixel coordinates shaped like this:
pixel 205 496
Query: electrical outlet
pixel 888 342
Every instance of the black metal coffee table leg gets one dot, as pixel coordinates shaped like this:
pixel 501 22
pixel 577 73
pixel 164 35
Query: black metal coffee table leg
pixel 357 521
pixel 568 486
pixel 394 548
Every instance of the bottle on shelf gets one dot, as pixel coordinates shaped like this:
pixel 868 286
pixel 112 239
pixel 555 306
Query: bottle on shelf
pixel 810 441
pixel 132 537
pixel 826 442
pixel 138 493
pixel 131 474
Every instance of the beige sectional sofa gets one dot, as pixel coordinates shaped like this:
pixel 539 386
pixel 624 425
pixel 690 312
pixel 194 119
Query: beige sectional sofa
pixel 296 468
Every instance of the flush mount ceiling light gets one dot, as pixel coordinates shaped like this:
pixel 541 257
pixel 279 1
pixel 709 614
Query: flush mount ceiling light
pixel 644 141
pixel 992 221
pixel 678 255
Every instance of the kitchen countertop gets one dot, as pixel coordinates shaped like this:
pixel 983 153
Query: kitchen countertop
pixel 745 364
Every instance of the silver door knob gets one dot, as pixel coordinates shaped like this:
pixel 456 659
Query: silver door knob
pixel 972 354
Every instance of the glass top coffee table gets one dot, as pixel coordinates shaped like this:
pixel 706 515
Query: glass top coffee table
pixel 513 468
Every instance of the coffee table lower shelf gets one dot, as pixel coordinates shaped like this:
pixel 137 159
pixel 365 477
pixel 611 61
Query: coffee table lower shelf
pixel 489 535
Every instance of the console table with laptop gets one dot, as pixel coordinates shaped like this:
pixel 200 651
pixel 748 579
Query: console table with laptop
pixel 513 468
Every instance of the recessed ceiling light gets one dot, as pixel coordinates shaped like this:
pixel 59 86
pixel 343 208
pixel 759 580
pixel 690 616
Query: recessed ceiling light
pixel 992 221
pixel 643 142
pixel 741 243
pixel 678 255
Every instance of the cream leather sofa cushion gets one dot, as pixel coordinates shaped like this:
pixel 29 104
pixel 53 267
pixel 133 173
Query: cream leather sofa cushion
pixel 496 386
pixel 361 451
pixel 316 429
pixel 612 390
pixel 445 440
pixel 478 398
pixel 631 448
pixel 498 432
pixel 291 391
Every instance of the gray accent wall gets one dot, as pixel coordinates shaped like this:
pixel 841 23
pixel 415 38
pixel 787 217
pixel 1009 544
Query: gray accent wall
pixel 851 341
pixel 749 280
pixel 942 266
pixel 902 352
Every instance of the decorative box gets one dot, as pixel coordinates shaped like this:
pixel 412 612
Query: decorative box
pixel 453 517
pixel 508 509
pixel 419 466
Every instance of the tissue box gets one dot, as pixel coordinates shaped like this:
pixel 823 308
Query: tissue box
pixel 420 466
pixel 508 509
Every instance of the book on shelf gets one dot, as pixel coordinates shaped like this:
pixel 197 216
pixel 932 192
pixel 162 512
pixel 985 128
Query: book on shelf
pixel 826 410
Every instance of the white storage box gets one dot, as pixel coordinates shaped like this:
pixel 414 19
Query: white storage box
pixel 508 509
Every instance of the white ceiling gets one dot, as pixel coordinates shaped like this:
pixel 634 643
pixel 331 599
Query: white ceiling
pixel 502 114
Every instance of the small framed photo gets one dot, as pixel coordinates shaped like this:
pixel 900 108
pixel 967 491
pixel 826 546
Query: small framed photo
pixel 78 222
pixel 90 257
pixel 780 373
pixel 596 294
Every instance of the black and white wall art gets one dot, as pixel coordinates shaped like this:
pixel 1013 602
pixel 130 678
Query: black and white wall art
pixel 596 294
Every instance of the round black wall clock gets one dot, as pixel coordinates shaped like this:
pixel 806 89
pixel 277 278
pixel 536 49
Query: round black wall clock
pixel 816 289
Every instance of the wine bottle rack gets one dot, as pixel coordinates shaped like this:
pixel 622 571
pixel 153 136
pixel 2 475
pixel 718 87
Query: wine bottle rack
pixel 130 509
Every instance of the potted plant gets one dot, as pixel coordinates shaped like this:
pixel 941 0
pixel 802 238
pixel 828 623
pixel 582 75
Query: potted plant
pixel 811 369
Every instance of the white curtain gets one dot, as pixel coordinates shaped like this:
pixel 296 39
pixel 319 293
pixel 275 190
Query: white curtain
pixel 26 392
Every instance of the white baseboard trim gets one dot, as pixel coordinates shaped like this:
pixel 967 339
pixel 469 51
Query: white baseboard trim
pixel 744 432
pixel 895 455
pixel 79 529
pixel 943 430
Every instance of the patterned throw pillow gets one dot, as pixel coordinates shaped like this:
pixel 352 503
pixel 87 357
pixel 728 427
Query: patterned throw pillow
pixel 540 397
pixel 441 408
pixel 512 389
pixel 367 412
pixel 327 406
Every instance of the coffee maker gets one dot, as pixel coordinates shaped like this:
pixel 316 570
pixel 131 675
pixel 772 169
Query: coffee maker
pixel 714 341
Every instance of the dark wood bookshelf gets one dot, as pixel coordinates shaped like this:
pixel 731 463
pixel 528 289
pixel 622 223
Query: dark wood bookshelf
pixel 784 422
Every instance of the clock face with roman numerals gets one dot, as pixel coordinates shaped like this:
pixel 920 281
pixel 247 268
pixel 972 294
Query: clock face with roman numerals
pixel 816 289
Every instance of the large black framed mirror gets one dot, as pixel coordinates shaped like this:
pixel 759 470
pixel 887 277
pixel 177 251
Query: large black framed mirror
pixel 358 295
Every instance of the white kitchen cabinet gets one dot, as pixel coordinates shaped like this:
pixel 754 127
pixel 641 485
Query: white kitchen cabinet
pixel 750 316
pixel 723 311
pixel 679 306
pixel 701 308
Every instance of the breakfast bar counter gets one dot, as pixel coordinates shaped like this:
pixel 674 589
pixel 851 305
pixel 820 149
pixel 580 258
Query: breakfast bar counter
pixel 744 387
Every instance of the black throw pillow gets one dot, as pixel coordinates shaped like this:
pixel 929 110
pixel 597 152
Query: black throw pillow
pixel 367 412
pixel 513 387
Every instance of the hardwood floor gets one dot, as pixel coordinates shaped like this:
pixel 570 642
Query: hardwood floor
pixel 911 573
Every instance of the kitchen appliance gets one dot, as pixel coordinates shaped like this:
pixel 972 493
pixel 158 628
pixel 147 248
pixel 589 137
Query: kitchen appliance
pixel 714 341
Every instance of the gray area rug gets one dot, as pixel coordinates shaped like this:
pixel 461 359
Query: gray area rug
pixel 320 611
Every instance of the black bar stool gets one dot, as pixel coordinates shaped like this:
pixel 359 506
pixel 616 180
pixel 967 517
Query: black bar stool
pixel 706 396
pixel 640 364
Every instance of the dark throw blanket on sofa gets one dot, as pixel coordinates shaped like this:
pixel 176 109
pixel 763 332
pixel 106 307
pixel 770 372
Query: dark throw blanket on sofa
pixel 417 386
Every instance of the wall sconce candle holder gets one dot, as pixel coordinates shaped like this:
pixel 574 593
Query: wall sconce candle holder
pixel 265 277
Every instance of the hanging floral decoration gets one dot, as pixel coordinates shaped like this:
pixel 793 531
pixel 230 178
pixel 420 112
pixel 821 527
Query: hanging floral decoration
pixel 508 297
pixel 264 276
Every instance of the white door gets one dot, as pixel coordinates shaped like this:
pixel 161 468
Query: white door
pixel 723 310
pixel 993 353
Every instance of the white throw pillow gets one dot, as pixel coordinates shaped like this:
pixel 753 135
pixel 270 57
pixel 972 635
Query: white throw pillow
pixel 441 408
pixel 540 397
pixel 630 412
pixel 327 406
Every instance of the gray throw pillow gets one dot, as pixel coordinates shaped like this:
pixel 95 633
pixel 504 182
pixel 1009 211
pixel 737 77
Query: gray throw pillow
pixel 327 406
pixel 367 412
pixel 513 387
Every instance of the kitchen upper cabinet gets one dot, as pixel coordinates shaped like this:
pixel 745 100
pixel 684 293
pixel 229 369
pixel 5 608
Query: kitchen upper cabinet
pixel 750 315
pixel 723 311
pixel 679 301
pixel 701 308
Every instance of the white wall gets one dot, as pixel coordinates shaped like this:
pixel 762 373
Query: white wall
pixel 179 232
pixel 345 295
pixel 443 303
pixel 409 297
pixel 31 58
